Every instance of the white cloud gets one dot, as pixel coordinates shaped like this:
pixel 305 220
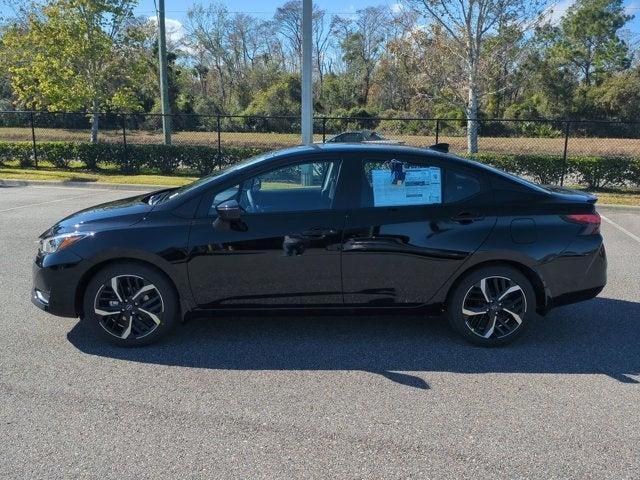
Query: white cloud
pixel 174 28
pixel 397 7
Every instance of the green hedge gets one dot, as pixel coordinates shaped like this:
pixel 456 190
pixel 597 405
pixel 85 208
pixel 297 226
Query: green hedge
pixel 592 172
pixel 130 159
pixel 20 151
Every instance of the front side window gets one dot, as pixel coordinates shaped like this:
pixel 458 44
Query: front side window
pixel 299 187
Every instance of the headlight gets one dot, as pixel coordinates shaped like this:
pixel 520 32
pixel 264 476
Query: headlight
pixel 59 242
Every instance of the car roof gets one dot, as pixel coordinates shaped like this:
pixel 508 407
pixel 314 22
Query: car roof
pixel 397 149
pixel 368 148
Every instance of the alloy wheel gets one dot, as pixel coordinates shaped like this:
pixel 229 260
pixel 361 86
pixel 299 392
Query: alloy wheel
pixel 129 307
pixel 494 307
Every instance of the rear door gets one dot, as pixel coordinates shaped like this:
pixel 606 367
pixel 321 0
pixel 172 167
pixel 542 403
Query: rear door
pixel 417 220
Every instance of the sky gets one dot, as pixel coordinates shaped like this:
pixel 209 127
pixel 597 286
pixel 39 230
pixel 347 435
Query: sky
pixel 265 8
pixel 176 10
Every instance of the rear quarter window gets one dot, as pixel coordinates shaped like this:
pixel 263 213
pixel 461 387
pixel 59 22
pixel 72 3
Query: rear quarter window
pixel 459 185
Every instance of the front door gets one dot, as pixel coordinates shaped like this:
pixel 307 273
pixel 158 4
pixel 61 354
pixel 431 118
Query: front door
pixel 285 250
pixel 417 222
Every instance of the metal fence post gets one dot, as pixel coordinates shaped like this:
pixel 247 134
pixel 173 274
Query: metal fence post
pixel 564 153
pixel 219 159
pixel 33 140
pixel 437 130
pixel 125 157
pixel 324 129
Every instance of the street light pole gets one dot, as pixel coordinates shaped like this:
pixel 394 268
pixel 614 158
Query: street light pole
pixel 164 80
pixel 307 85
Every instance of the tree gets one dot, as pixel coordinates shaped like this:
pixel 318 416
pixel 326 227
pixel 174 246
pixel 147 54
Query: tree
pixel 207 31
pixel 569 59
pixel 76 55
pixel 281 98
pixel 587 38
pixel 540 75
pixel 468 24
pixel 288 22
pixel 363 42
pixel 619 95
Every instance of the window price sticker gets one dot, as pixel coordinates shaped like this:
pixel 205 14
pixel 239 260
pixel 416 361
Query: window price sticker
pixel 408 186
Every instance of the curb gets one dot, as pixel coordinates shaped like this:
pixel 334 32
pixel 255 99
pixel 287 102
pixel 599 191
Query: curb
pixel 618 206
pixel 87 185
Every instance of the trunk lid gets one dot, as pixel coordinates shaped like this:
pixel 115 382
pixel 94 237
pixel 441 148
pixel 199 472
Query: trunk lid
pixel 571 194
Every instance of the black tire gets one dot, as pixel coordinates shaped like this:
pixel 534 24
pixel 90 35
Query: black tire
pixel 492 323
pixel 134 325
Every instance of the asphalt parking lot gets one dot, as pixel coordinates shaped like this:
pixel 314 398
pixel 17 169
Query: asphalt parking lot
pixel 316 397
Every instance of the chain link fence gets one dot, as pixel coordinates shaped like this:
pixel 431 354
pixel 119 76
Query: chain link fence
pixel 556 138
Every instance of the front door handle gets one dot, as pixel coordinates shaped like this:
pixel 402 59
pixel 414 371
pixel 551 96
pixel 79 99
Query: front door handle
pixel 318 232
pixel 466 218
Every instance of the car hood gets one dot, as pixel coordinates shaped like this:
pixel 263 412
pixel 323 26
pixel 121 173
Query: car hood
pixel 118 213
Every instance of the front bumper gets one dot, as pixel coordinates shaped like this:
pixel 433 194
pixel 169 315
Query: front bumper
pixel 55 281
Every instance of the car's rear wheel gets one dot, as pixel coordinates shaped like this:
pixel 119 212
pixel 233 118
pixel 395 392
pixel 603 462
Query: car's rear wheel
pixel 130 304
pixel 492 306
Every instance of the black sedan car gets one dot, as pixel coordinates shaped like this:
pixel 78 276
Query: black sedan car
pixel 328 226
pixel 360 136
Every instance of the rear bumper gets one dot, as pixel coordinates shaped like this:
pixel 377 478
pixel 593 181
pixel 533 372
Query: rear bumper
pixel 575 297
pixel 578 274
pixel 55 279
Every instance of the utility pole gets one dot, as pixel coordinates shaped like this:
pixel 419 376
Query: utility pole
pixel 307 85
pixel 307 88
pixel 164 81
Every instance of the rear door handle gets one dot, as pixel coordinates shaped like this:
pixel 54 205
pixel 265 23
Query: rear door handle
pixel 466 217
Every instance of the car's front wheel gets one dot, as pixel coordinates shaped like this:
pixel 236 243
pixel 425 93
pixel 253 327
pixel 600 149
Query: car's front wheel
pixel 130 304
pixel 492 306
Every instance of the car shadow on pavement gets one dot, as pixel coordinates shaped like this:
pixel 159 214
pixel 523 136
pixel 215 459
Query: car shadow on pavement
pixel 601 336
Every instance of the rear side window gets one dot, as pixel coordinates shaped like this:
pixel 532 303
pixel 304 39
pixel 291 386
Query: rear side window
pixel 397 183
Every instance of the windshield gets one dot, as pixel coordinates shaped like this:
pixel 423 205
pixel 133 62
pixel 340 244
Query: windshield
pixel 214 176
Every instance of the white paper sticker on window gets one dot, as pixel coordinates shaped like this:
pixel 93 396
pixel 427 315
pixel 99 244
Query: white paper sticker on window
pixel 406 186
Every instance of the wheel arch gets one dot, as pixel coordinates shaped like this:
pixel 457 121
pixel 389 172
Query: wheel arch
pixel 91 272
pixel 542 301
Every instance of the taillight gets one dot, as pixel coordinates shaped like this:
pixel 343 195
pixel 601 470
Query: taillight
pixel 591 222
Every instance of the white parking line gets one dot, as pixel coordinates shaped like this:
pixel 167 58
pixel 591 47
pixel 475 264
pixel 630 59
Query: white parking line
pixel 622 229
pixel 43 203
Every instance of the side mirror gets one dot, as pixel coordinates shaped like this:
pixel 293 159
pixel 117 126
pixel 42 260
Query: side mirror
pixel 229 211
